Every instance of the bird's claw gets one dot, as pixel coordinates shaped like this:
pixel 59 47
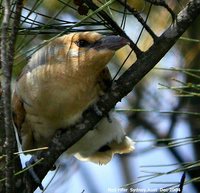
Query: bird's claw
pixel 100 113
pixel 97 110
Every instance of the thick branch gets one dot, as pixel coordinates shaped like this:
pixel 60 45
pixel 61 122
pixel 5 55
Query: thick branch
pixel 120 88
pixel 7 57
pixel 7 100
pixel 2 140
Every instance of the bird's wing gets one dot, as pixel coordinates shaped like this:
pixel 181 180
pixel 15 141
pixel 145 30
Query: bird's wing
pixel 24 130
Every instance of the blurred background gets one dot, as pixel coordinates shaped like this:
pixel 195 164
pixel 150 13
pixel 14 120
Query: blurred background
pixel 161 114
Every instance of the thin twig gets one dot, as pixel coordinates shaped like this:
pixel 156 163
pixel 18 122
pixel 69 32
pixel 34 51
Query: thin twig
pixel 114 26
pixel 163 4
pixel 139 18
pixel 182 183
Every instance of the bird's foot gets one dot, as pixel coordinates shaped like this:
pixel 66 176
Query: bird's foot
pixel 98 110
pixel 100 113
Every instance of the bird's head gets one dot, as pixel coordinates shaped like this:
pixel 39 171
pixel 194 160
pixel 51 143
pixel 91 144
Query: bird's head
pixel 91 50
pixel 83 53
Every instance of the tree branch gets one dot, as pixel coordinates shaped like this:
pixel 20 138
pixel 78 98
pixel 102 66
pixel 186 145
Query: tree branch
pixel 163 4
pixel 2 140
pixel 7 58
pixel 6 96
pixel 120 88
pixel 139 18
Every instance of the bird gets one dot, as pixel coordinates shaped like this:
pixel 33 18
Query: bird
pixel 59 82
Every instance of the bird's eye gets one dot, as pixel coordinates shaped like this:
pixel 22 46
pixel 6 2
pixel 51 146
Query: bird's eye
pixel 82 43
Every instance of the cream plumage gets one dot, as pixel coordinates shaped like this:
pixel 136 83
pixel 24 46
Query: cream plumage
pixel 59 82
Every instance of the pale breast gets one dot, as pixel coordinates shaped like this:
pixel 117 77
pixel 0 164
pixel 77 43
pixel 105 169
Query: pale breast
pixel 54 100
